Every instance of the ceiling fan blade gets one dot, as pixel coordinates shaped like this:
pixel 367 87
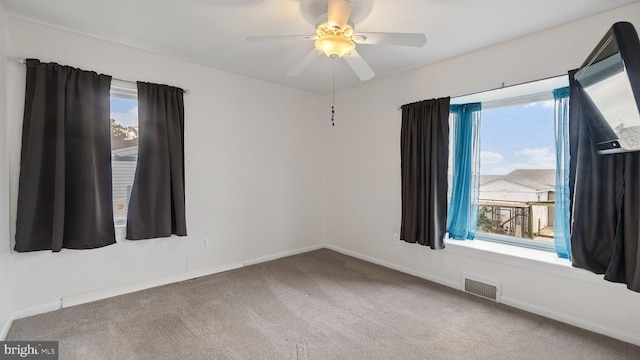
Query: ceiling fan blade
pixel 280 38
pixel 304 63
pixel 359 66
pixel 400 39
pixel 339 11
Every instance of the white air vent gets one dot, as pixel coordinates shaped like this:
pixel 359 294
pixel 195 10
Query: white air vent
pixel 481 288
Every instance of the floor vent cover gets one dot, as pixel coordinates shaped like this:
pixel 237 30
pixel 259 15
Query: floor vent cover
pixel 481 288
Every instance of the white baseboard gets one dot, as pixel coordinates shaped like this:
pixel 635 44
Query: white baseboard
pixel 83 298
pixel 128 288
pixel 5 329
pixel 516 303
pixel 281 255
pixel 90 296
pixel 519 304
pixel 435 279
pixel 36 310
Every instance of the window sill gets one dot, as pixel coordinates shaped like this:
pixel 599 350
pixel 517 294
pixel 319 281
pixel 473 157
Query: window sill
pixel 489 248
pixel 531 259
pixel 121 232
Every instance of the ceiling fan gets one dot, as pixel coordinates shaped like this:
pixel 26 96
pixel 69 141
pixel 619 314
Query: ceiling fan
pixel 336 38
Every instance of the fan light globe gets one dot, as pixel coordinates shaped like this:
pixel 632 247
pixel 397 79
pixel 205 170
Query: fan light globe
pixel 334 45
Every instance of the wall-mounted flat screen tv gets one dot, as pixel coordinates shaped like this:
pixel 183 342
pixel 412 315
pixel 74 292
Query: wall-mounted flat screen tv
pixel 610 78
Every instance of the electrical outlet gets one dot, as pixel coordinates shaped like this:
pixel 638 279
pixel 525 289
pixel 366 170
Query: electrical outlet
pixel 396 238
pixel 205 243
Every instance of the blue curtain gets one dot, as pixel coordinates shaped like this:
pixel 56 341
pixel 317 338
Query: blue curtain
pixel 462 217
pixel 561 229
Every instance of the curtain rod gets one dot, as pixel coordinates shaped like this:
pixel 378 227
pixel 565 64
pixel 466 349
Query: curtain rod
pixel 23 61
pixel 479 92
pixel 498 88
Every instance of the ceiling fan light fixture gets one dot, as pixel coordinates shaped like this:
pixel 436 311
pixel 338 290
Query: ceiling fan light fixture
pixel 333 45
pixel 335 41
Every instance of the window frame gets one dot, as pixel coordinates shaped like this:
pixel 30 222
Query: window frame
pixel 126 91
pixel 519 94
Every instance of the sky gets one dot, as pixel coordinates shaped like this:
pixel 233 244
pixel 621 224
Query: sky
pixel 124 111
pixel 517 137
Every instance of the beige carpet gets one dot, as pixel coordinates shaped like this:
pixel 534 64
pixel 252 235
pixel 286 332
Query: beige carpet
pixel 318 305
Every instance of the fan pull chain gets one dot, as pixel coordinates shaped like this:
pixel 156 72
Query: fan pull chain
pixel 333 114
pixel 333 95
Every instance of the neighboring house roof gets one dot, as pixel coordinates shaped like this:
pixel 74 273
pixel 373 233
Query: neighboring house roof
pixel 121 144
pixel 539 179
pixel 504 185
pixel 489 178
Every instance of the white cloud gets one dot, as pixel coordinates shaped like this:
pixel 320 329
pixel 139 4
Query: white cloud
pixel 490 157
pixel 548 104
pixel 544 104
pixel 128 118
pixel 501 170
pixel 542 158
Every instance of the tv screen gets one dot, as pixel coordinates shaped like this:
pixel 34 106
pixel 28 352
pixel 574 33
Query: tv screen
pixel 610 78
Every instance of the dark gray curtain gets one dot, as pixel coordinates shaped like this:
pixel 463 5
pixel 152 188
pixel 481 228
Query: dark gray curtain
pixel 424 152
pixel 64 196
pixel 157 204
pixel 605 193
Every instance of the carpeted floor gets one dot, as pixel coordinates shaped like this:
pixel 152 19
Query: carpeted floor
pixel 318 305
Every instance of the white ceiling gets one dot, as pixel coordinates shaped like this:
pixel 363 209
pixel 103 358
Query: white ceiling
pixel 213 32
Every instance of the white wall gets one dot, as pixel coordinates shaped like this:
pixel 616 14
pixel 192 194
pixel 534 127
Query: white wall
pixel 363 179
pixel 255 171
pixel 5 279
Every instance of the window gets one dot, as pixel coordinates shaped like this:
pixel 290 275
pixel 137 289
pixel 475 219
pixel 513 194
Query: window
pixel 517 163
pixel 124 146
pixel 517 173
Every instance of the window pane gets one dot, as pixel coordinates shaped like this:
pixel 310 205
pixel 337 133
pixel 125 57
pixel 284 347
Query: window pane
pixel 124 153
pixel 517 167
